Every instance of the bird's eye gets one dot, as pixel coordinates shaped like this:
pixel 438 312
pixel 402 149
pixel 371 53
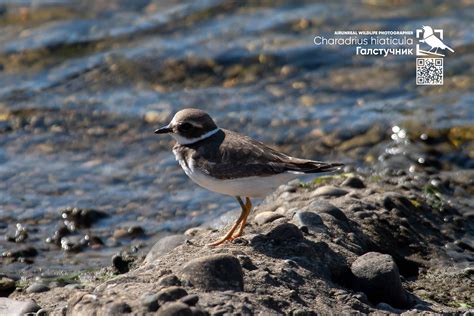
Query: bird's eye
pixel 184 127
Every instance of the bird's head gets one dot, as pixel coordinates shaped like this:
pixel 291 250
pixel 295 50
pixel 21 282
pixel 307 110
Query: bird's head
pixel 189 126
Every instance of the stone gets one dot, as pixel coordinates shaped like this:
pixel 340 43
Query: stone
pixel 150 302
pixel 326 207
pixel 169 280
pixel 354 182
pixel 214 272
pixel 329 190
pixel 7 286
pixel 377 276
pixel 190 300
pixel 284 232
pixel 175 309
pixel 14 307
pixel 119 308
pixel 266 217
pixel 171 294
pixel 163 246
pixel 311 220
pixel 37 288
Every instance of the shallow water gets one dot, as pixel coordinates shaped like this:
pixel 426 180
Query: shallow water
pixel 83 85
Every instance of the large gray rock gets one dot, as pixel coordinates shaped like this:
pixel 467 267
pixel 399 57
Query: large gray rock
pixel 215 272
pixel 377 276
pixel 163 246
pixel 329 190
pixel 12 307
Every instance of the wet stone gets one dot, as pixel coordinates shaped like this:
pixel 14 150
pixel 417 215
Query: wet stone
pixel 7 286
pixel 75 218
pixel 267 217
pixel 377 276
pixel 23 252
pixel 215 272
pixel 175 309
pixel 130 232
pixel 354 182
pixel 171 294
pixel 37 288
pixel 20 235
pixel 285 232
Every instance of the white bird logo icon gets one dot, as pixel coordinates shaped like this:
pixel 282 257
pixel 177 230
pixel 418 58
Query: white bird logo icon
pixel 430 38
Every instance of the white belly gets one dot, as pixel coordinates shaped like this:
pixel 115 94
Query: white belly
pixel 249 186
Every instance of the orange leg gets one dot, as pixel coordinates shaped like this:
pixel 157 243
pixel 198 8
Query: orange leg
pixel 248 206
pixel 229 234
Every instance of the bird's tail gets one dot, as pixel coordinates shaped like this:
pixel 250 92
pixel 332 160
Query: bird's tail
pixel 311 166
pixel 449 48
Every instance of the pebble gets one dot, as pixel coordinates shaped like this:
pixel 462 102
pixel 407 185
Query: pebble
pixel 328 208
pixel 267 217
pixel 75 218
pixel 119 308
pixel 37 288
pixel 329 190
pixel 130 232
pixel 120 265
pixel 150 302
pixel 190 300
pixel 169 280
pixel 14 307
pixel 311 220
pixel 23 252
pixel 163 246
pixel 171 294
pixel 377 276
pixel 354 182
pixel 284 232
pixel 214 272
pixel 7 286
pixel 175 309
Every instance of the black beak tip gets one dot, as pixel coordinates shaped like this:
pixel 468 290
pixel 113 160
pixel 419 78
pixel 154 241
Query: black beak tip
pixel 163 130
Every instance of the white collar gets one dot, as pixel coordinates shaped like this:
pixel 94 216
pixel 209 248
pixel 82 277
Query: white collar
pixel 187 141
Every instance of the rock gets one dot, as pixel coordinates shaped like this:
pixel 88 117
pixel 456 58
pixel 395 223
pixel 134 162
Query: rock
pixel 129 232
pixel 284 232
pixel 37 288
pixel 24 252
pixel 214 272
pixel 171 294
pixel 266 217
pixel 119 308
pixel 198 311
pixel 175 309
pixel 75 218
pixel 377 276
pixel 7 286
pixel 120 264
pixel 150 302
pixel 328 208
pixel 169 280
pixel 14 307
pixel 311 220
pixel 303 312
pixel 354 182
pixel 163 246
pixel 190 300
pixel 329 190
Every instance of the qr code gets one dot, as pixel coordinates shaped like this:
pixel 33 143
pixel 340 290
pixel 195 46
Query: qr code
pixel 429 71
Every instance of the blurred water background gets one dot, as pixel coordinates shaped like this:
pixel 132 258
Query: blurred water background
pixel 83 84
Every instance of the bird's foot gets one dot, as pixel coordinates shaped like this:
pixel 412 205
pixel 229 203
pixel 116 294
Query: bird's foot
pixel 221 241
